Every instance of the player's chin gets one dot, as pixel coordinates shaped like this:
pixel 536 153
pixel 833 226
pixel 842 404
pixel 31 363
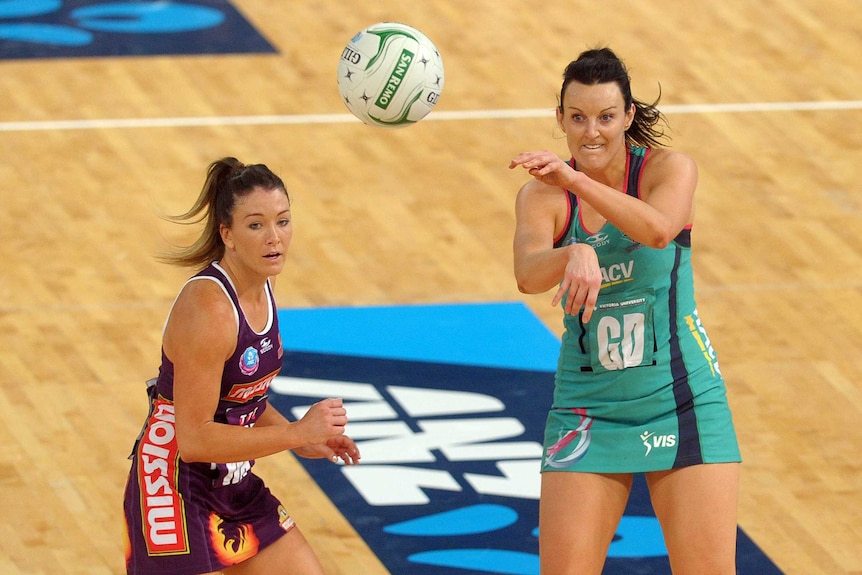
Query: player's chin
pixel 274 264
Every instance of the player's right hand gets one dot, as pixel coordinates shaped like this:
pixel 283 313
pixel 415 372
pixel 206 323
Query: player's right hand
pixel 325 419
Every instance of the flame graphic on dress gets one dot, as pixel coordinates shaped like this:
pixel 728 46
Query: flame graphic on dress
pixel 232 542
pixel 581 433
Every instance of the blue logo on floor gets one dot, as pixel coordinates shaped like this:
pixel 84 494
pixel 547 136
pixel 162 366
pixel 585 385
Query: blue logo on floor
pixel 81 28
pixel 448 406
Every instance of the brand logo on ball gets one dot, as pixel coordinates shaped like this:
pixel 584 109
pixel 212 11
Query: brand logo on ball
pixel 390 75
pixel 351 55
pixel 395 79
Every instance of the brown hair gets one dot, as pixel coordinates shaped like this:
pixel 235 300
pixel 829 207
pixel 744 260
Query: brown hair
pixel 227 180
pixel 601 65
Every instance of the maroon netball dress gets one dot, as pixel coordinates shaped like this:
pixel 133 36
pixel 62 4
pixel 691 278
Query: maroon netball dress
pixel 189 518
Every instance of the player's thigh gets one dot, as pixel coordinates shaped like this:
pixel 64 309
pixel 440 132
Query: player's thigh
pixel 697 509
pixel 578 515
pixel 289 555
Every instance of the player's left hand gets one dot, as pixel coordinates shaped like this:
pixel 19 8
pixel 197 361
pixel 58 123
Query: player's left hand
pixel 338 447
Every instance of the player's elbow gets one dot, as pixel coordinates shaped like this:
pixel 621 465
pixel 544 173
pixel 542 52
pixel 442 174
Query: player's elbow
pixel 523 281
pixel 529 284
pixel 190 455
pixel 660 241
pixel 190 450
pixel 660 236
pixel 524 288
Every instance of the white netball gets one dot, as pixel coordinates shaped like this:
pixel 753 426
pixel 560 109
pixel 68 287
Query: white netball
pixel 390 75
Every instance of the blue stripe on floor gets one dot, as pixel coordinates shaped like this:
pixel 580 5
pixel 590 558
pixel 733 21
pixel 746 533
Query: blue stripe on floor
pixel 503 335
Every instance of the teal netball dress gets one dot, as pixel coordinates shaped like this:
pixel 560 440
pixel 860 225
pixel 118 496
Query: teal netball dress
pixel 638 388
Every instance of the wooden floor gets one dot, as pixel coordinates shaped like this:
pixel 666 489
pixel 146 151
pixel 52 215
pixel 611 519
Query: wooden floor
pixel 425 215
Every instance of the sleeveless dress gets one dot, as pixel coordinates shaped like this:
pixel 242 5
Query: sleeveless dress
pixel 638 388
pixel 189 518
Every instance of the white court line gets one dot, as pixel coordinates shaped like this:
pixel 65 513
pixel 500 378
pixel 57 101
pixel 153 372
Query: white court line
pixel 700 288
pixel 116 123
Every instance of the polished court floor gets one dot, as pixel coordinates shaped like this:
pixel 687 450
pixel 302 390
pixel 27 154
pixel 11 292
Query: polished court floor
pixel 764 96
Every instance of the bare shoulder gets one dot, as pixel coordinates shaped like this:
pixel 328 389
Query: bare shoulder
pixel 536 193
pixel 202 314
pixel 667 162
pixel 541 211
pixel 204 297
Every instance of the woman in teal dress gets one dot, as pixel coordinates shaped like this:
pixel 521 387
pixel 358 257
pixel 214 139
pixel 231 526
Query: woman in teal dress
pixel 638 387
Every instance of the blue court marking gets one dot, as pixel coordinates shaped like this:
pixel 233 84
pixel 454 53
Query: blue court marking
pixel 27 8
pixel 464 521
pixel 45 34
pixel 147 19
pixel 638 537
pixel 500 350
pixel 500 561
pixel 88 28
pixel 505 335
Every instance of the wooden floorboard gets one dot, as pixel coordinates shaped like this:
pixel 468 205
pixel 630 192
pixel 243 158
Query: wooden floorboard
pixel 425 215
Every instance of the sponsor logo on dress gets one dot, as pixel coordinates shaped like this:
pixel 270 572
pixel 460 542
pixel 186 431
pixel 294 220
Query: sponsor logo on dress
pixel 284 519
pixel 246 391
pixel 651 440
pixel 163 513
pixel 617 273
pixel 599 239
pixel 250 361
pixel 634 245
pixel 265 345
pixel 699 334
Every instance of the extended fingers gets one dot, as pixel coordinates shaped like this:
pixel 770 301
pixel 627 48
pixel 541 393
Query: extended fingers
pixel 582 295
pixel 578 295
pixel 589 307
pixel 558 297
pixel 349 457
pixel 520 159
pixel 532 160
pixel 590 300
pixel 345 449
